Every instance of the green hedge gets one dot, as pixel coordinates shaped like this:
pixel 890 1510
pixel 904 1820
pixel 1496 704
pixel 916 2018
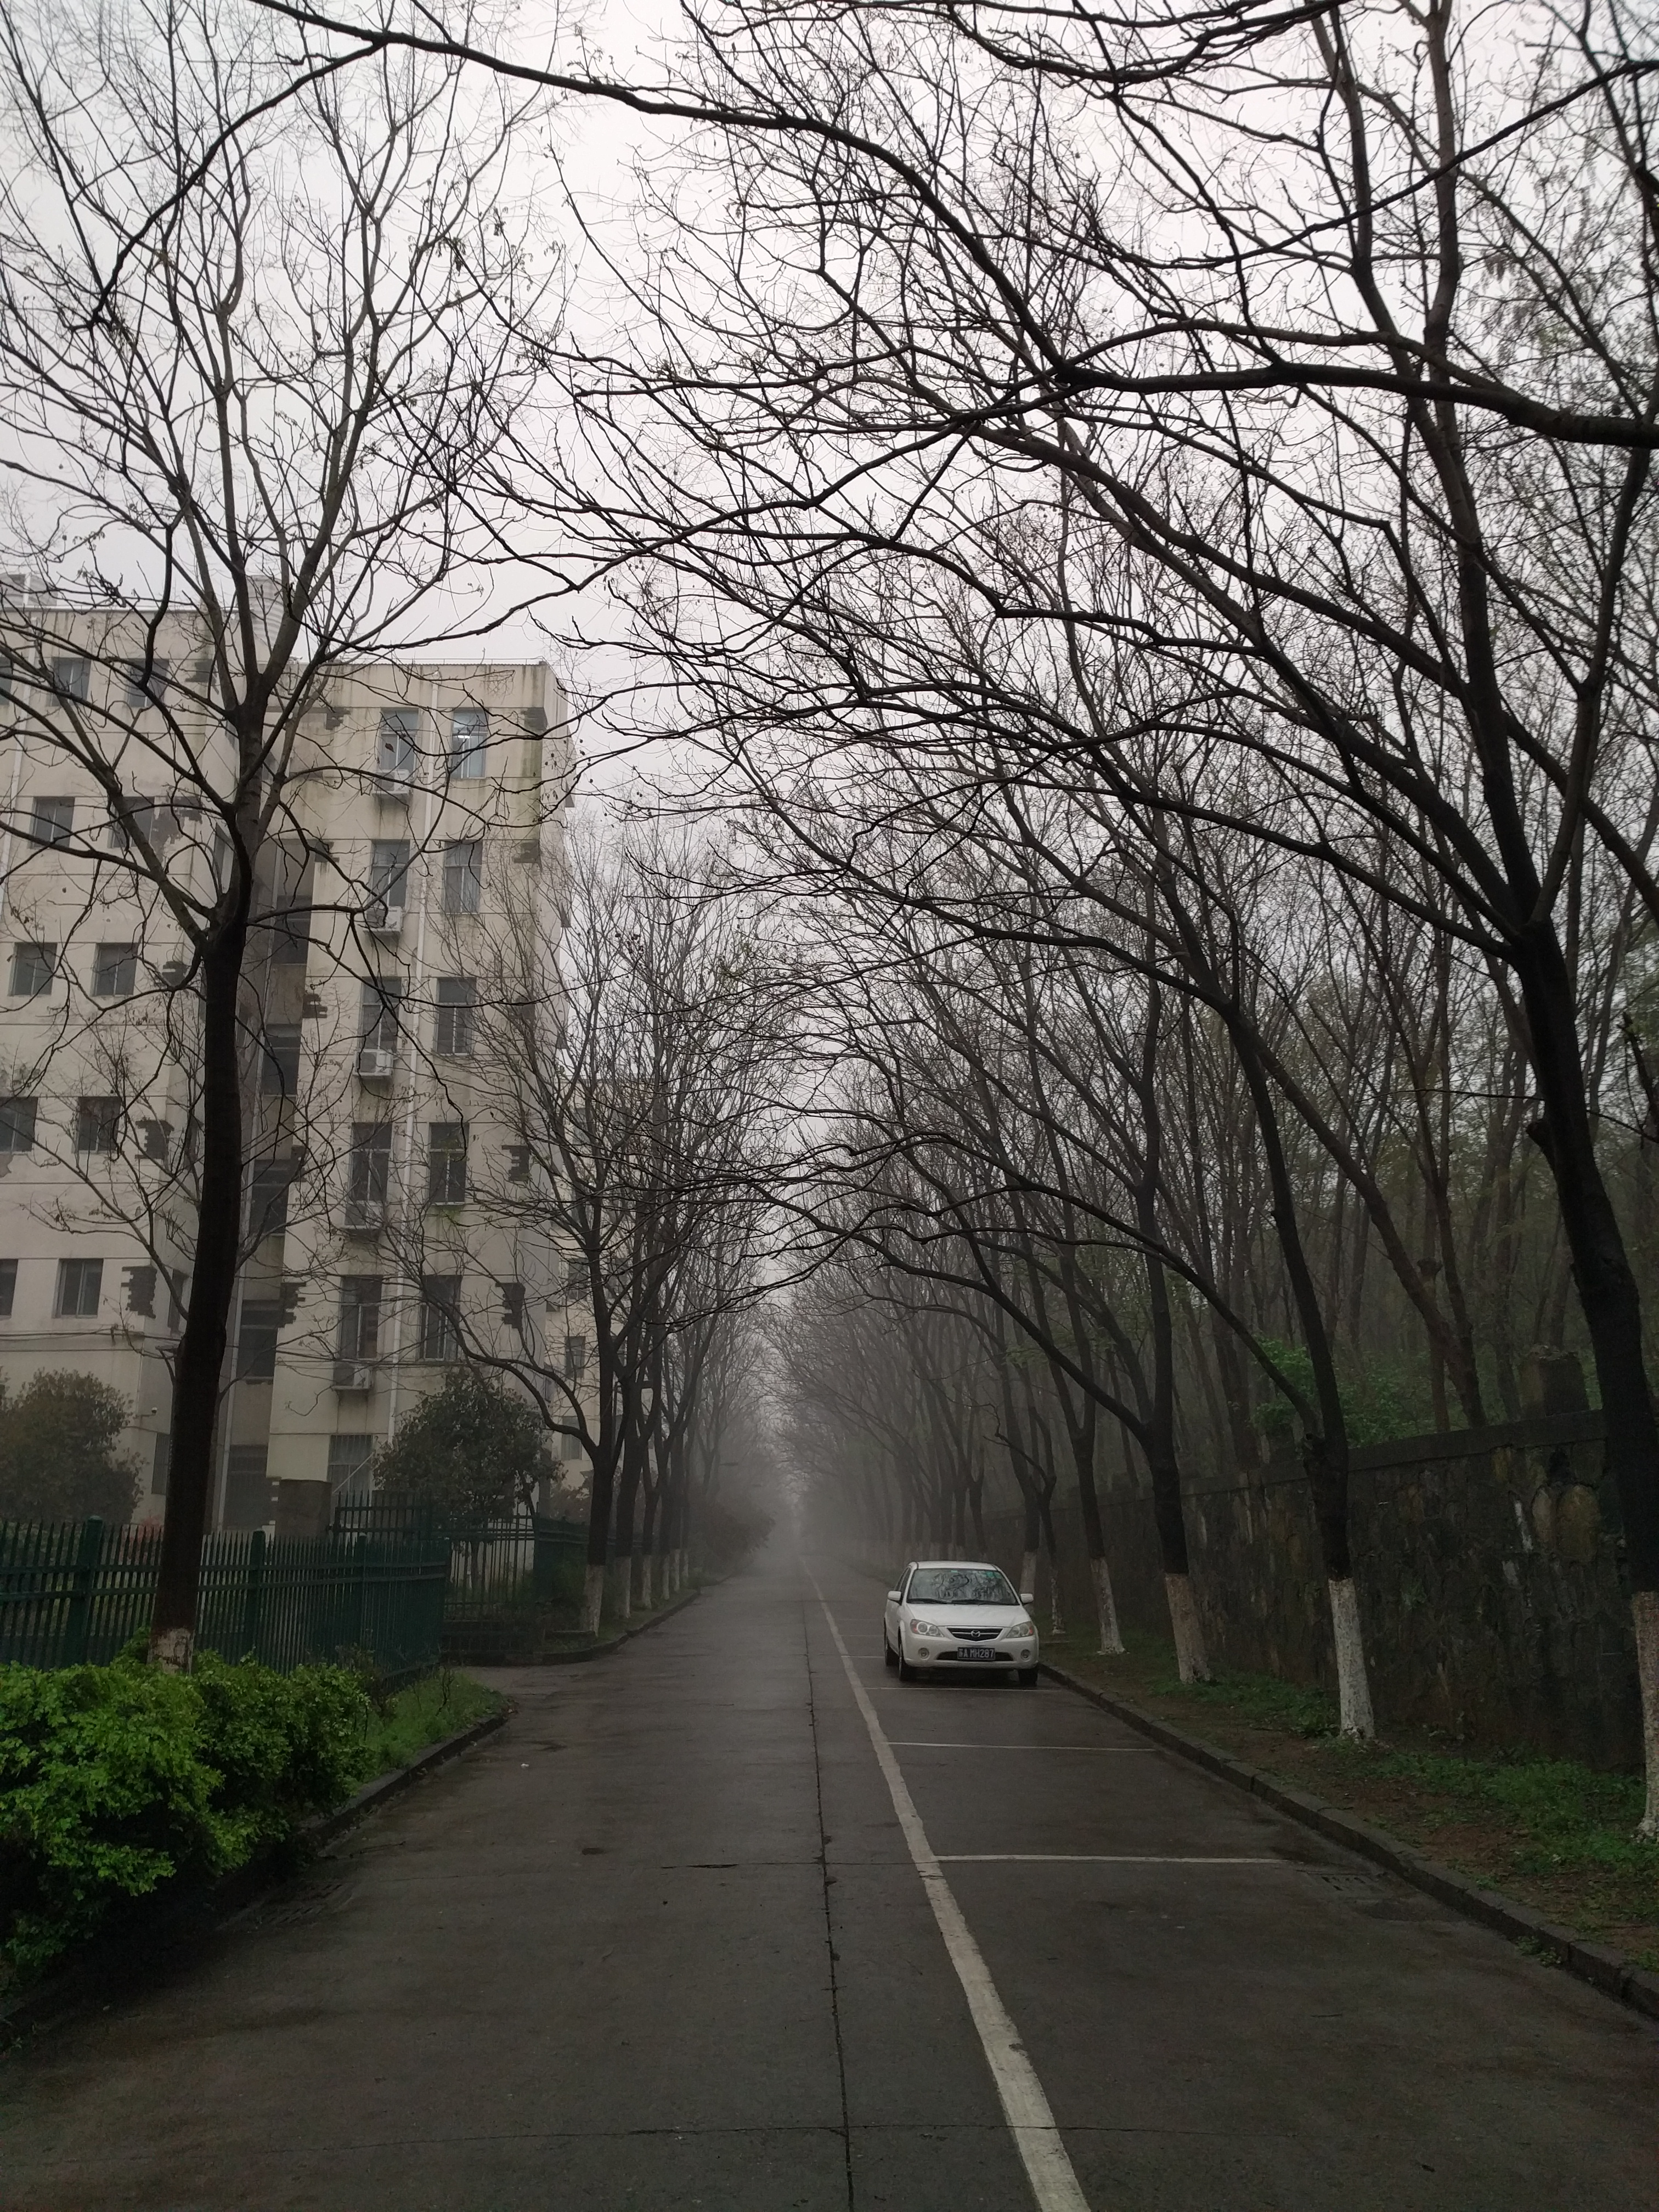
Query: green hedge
pixel 115 1780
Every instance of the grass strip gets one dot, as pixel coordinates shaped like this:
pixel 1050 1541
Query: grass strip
pixel 405 1723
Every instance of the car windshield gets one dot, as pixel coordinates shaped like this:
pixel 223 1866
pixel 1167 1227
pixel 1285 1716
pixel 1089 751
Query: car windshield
pixel 961 1586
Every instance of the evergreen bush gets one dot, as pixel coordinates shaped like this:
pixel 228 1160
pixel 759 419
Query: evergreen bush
pixel 117 1780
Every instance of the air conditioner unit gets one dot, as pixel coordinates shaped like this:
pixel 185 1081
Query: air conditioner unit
pixel 375 1064
pixel 352 1377
pixel 385 920
pixel 364 1216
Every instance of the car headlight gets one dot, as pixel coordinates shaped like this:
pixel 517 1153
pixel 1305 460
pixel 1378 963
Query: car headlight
pixel 928 1628
pixel 1021 1628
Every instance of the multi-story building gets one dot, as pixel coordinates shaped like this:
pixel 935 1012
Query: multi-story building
pixel 391 1215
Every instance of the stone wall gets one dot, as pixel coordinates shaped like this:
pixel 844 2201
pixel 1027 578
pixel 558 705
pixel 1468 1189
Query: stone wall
pixel 1488 1574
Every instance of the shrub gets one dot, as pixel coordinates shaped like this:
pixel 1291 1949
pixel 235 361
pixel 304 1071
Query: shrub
pixel 116 1780
pixel 472 1451
pixel 58 1456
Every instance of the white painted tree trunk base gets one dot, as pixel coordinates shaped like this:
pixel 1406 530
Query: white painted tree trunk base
pixel 625 1588
pixel 592 1600
pixel 173 1649
pixel 1353 1689
pixel 645 1583
pixel 1191 1661
pixel 1644 1612
pixel 1111 1637
pixel 1028 1573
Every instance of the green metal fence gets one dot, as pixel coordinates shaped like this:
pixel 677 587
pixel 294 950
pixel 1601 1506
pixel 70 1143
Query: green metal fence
pixel 72 1591
pixel 512 1580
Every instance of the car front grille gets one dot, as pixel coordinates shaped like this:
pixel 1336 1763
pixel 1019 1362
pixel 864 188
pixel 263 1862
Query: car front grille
pixel 976 1635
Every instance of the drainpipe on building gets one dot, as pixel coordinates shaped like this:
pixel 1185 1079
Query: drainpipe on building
pixel 11 815
pixel 411 997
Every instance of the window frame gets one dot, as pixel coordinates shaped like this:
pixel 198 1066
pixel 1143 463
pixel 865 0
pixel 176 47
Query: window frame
pixel 466 753
pixel 82 1272
pixel 440 1340
pixel 455 1018
pixel 463 877
pixel 101 1113
pixel 107 961
pixel 450 1154
pixel 45 954
pixel 12 1126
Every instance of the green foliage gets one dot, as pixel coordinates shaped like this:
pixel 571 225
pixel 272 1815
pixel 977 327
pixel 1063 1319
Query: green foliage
pixel 440 1704
pixel 1299 1708
pixel 58 1456
pixel 1377 1404
pixel 1564 1817
pixel 115 1780
pixel 470 1451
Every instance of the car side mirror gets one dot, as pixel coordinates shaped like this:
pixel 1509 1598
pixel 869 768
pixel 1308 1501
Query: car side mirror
pixel 893 1593
pixel 1028 1597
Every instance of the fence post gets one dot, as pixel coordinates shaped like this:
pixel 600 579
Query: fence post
pixel 251 1602
pixel 87 1553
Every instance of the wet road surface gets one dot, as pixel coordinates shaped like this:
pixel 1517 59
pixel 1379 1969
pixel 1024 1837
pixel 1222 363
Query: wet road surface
pixel 663 1943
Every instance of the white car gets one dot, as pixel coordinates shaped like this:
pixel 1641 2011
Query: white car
pixel 958 1616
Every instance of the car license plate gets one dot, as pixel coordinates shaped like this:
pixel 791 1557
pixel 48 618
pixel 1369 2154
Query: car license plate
pixel 974 1651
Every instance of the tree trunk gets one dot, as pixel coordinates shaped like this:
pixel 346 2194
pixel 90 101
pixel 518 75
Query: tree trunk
pixel 212 1285
pixel 1611 1303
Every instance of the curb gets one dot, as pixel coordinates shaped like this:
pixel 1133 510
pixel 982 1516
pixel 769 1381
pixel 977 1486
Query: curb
pixel 201 1911
pixel 323 1827
pixel 1610 1972
pixel 601 1648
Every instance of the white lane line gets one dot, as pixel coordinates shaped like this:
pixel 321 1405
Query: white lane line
pixel 1091 1858
pixel 923 1743
pixel 1025 2108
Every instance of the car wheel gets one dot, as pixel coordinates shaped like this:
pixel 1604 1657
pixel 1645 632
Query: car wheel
pixel 889 1654
pixel 1027 1678
pixel 906 1672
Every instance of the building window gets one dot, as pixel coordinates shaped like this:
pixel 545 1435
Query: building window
pixel 53 821
pixel 469 736
pixel 114 971
pixel 279 1076
pixel 97 1124
pixel 141 1290
pixel 8 1286
pixel 267 1195
pixel 575 1358
pixel 155 1137
pixel 32 967
pixel 440 1297
pixel 348 1464
pixel 458 998
pixel 381 1012
pixel 360 1316
pixel 80 1285
pixel 250 1494
pixel 256 1339
pixel 464 875
pixel 145 682
pixel 394 750
pixel 518 1163
pixel 17 1124
pixel 388 872
pixel 512 1306
pixel 446 1163
pixel 71 675
pixel 371 1163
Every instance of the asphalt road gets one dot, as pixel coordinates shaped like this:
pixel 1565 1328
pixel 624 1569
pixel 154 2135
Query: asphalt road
pixel 663 1944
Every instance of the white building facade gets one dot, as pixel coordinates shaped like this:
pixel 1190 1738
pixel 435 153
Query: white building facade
pixel 389 1214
